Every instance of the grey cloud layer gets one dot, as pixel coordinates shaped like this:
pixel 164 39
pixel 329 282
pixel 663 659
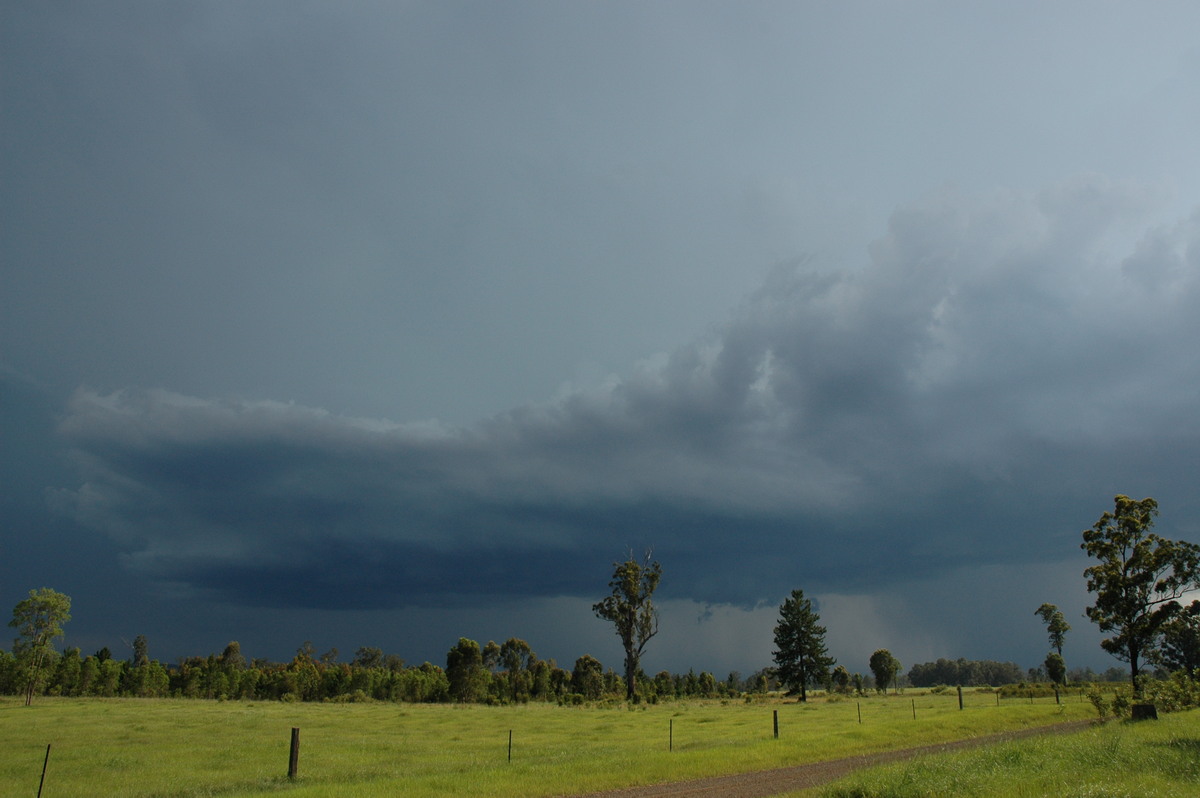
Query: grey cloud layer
pixel 378 208
pixel 989 378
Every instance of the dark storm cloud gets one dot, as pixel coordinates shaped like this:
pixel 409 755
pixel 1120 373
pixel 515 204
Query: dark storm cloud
pixel 992 370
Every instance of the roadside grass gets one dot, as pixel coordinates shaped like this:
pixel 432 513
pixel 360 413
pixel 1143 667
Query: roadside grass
pixel 188 749
pixel 1121 759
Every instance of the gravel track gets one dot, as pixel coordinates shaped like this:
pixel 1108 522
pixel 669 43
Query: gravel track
pixel 764 783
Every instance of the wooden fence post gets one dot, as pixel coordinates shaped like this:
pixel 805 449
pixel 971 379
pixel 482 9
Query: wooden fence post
pixel 294 754
pixel 671 735
pixel 960 704
pixel 44 764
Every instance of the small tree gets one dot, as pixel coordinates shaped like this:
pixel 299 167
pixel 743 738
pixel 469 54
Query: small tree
pixel 1137 581
pixel 368 657
pixel 1180 650
pixel 630 609
pixel 1056 625
pixel 1056 667
pixel 800 655
pixel 518 659
pixel 141 652
pixel 232 658
pixel 587 679
pixel 733 683
pixel 39 620
pixel 884 668
pixel 306 653
pixel 491 655
pixel 465 672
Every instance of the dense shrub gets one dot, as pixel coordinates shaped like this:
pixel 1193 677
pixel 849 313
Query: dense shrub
pixel 1027 690
pixel 1172 694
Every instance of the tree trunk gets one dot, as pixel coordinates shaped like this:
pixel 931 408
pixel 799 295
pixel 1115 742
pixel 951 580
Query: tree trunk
pixel 35 669
pixel 1133 671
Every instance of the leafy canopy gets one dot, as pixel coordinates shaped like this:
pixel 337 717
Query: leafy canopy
pixel 38 620
pixel 631 611
pixel 1137 579
pixel 1056 668
pixel 884 668
pixel 1056 625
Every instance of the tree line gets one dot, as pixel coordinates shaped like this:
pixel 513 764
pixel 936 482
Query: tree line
pixel 965 673
pixel 1138 582
pixel 493 674
pixel 509 672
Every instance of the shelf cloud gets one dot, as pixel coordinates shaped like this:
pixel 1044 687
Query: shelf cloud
pixel 952 403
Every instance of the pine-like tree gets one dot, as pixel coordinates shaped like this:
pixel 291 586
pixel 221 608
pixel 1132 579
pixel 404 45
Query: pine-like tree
pixel 801 657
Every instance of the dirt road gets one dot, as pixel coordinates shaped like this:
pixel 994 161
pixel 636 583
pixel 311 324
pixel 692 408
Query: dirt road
pixel 764 783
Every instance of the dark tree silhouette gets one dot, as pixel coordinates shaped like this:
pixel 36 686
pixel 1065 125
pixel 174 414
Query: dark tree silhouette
pixel 630 609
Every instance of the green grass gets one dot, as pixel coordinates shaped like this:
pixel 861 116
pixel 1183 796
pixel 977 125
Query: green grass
pixel 1150 759
pixel 186 749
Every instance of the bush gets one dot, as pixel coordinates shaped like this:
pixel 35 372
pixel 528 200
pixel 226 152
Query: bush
pixel 1174 694
pixel 1099 702
pixel 357 697
pixel 1023 690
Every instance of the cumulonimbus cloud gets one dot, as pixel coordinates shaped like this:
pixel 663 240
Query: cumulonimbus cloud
pixel 995 361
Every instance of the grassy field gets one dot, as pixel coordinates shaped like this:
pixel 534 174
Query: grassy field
pixel 180 748
pixel 1151 759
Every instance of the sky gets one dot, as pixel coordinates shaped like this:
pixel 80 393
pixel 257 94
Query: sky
pixel 384 324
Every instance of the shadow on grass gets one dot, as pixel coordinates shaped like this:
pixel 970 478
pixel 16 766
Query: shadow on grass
pixel 1188 745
